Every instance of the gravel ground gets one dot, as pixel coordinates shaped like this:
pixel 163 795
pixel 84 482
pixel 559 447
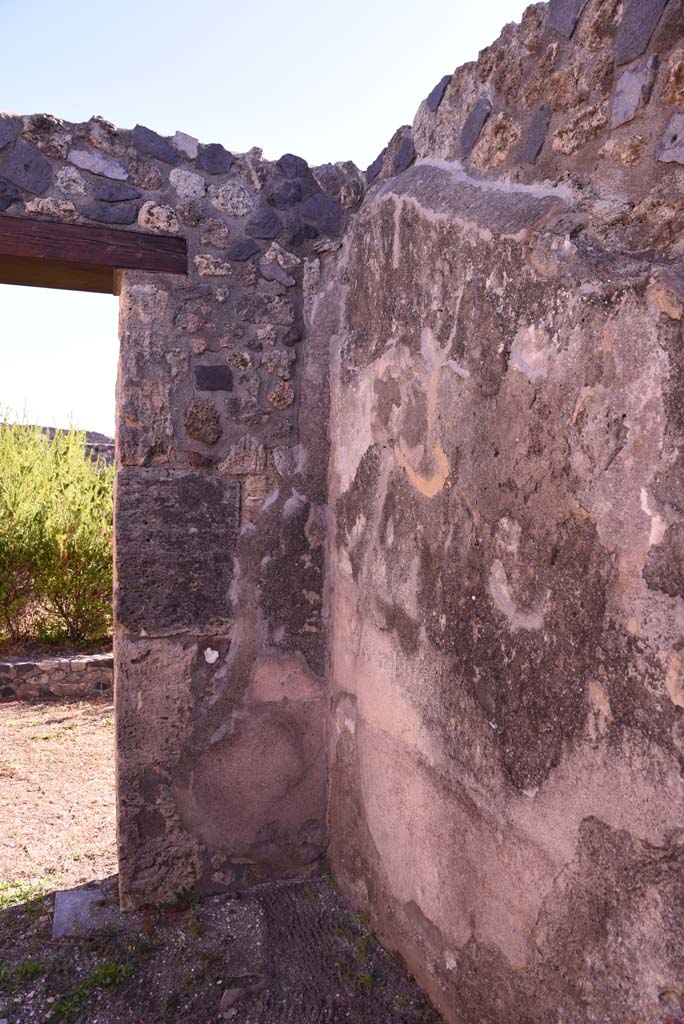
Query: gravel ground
pixel 57 817
pixel 289 953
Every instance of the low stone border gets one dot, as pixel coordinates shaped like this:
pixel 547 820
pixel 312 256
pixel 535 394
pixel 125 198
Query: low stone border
pixel 75 677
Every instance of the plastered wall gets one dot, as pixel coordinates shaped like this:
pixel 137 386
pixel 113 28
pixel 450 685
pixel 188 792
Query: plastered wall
pixel 220 645
pixel 448 653
pixel 507 739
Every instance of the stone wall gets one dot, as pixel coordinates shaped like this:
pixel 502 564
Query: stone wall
pixel 220 646
pixel 77 677
pixel 507 734
pixel 499 301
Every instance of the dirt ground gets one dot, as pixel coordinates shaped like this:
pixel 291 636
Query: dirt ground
pixel 289 953
pixel 57 792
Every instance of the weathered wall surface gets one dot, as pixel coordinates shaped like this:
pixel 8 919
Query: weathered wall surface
pixel 506 591
pixel 220 644
pixel 78 677
pixel 507 733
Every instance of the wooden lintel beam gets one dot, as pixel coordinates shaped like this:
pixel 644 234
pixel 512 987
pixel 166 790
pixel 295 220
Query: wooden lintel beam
pixel 75 277
pixel 90 247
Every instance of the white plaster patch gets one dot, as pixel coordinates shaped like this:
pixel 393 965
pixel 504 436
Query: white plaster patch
pixel 658 524
pixel 601 713
pixel 531 352
pixel 500 593
pixel 293 504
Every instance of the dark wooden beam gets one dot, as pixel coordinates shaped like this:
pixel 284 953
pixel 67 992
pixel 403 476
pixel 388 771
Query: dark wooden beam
pixel 51 255
pixel 76 277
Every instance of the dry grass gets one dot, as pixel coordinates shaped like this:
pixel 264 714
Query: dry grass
pixel 57 811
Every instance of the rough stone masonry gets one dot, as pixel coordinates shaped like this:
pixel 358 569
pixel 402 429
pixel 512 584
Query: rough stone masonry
pixel 442 642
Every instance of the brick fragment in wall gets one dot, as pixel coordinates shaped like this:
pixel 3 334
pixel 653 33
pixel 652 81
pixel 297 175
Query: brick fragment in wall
pixel 474 123
pixel 214 378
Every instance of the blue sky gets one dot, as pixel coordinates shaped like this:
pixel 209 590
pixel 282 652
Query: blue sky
pixel 328 81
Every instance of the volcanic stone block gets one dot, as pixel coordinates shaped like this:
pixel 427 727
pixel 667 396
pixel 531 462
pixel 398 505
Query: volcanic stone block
pixel 405 155
pixel 115 192
pixel 98 163
pixel 214 159
pixel 24 166
pixel 435 98
pixel 176 539
pixel 111 213
pixel 671 145
pixel 151 144
pixel 536 133
pixel 374 169
pixel 564 15
pixel 242 250
pixel 292 166
pixel 9 129
pixel 474 123
pixel 214 378
pixel 636 28
pixel 8 195
pixel 323 213
pixel 633 90
pixel 265 223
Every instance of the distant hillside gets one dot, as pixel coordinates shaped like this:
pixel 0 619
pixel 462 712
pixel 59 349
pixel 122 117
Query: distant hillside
pixel 98 446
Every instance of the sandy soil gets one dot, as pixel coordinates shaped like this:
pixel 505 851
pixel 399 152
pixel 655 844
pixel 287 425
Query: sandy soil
pixel 57 814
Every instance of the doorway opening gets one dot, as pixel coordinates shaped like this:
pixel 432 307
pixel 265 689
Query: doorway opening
pixel 58 360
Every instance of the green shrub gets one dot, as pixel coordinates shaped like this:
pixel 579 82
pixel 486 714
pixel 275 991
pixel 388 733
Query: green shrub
pixel 55 537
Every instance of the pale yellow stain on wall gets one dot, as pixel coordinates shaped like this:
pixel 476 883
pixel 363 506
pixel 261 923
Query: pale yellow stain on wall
pixel 430 486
